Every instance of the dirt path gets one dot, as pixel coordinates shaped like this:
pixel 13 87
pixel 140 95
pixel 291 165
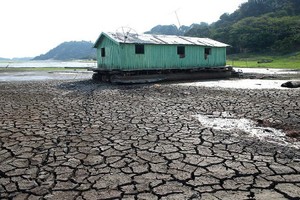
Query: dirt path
pixel 82 140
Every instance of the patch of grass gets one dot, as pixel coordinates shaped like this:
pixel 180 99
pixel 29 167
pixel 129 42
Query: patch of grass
pixel 289 61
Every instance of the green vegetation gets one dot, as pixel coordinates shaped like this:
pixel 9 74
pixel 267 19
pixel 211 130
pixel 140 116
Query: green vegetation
pixel 168 30
pixel 258 26
pixel 289 61
pixel 70 51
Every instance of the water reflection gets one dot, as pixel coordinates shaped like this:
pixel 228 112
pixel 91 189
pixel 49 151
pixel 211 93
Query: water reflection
pixel 41 75
pixel 227 122
pixel 49 64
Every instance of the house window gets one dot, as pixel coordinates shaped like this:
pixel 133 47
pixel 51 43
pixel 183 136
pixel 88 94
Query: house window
pixel 207 52
pixel 181 51
pixel 139 49
pixel 102 52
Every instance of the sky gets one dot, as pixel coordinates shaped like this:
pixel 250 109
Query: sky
pixel 33 27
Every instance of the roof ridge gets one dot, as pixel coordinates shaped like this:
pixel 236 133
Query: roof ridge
pixel 159 39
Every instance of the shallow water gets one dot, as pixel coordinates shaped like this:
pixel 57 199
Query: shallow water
pixel 48 64
pixel 240 83
pixel 267 71
pixel 43 75
pixel 250 83
pixel 226 122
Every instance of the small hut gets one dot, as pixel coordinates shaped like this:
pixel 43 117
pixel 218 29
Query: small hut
pixel 138 55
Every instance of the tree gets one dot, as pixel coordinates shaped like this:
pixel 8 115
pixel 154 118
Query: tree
pixel 258 25
pixel 199 30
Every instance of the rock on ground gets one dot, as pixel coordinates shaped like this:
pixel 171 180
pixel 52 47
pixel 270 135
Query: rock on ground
pixel 291 84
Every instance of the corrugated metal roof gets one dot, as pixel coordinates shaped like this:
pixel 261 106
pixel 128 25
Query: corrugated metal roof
pixel 131 38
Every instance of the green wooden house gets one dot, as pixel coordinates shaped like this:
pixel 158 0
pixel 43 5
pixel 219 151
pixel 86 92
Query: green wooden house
pixel 145 52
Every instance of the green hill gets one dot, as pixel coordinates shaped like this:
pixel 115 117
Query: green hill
pixel 70 51
pixel 257 26
pixel 168 30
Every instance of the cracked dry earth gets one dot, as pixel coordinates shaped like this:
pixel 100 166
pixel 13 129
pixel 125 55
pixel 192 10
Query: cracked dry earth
pixel 84 140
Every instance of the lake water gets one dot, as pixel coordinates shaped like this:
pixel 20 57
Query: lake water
pixel 46 75
pixel 240 84
pixel 48 64
pixel 250 83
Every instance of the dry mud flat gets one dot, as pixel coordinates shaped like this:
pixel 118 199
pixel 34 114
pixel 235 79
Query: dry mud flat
pixel 85 140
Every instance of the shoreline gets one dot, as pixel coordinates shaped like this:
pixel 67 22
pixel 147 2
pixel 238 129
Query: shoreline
pixel 250 79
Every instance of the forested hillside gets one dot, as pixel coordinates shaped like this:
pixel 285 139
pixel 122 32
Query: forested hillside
pixel 168 30
pixel 257 26
pixel 70 51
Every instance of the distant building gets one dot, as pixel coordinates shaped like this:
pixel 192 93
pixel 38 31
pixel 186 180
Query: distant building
pixel 135 52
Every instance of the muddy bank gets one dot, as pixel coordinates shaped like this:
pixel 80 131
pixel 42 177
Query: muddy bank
pixel 85 140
